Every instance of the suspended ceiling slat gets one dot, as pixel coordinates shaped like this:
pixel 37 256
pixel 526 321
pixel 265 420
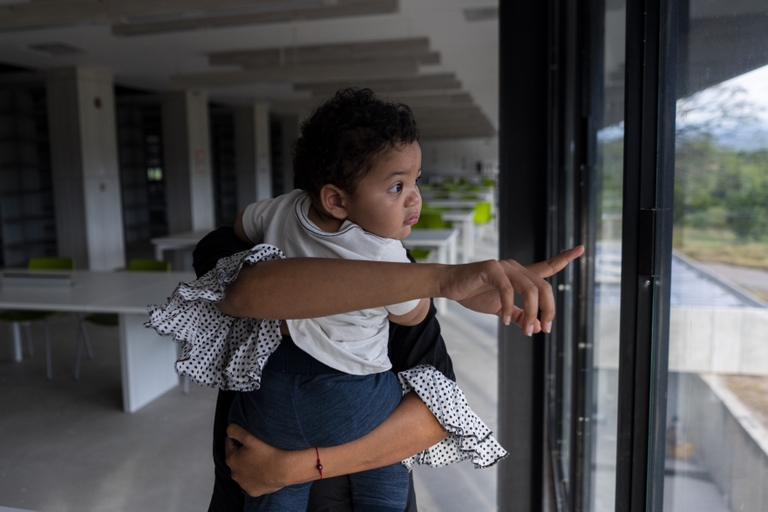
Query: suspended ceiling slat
pixel 344 8
pixel 298 74
pixel 424 101
pixel 136 17
pixel 427 58
pixel 354 51
pixel 431 82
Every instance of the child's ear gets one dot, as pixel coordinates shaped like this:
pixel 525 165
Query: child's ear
pixel 333 201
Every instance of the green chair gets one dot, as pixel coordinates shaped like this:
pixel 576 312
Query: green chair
pixel 431 220
pixel 25 318
pixel 110 319
pixel 482 212
pixel 483 217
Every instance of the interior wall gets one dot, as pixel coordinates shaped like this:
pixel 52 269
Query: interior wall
pixel 460 156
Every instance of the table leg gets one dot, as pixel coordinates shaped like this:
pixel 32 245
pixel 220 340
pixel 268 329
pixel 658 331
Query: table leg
pixel 146 361
pixel 18 355
pixel 441 303
pixel 469 241
pixel 159 249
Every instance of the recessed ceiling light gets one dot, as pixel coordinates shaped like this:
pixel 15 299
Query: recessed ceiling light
pixel 481 14
pixel 55 49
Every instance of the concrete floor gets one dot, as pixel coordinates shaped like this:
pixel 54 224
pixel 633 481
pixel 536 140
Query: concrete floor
pixel 66 446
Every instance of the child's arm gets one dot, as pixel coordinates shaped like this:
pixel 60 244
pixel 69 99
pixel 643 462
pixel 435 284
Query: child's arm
pixel 240 230
pixel 413 317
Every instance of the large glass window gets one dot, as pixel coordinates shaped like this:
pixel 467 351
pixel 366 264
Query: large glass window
pixel 603 374
pixel 717 411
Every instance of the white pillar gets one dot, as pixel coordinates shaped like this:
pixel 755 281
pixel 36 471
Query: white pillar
pixel 84 167
pixel 187 162
pixel 252 151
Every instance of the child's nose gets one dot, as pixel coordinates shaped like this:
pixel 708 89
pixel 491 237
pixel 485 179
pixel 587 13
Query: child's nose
pixel 414 197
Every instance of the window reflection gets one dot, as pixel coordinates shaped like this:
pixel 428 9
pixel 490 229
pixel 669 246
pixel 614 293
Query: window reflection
pixel 717 412
pixel 603 384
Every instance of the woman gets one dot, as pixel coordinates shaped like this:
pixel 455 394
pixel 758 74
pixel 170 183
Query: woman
pixel 283 289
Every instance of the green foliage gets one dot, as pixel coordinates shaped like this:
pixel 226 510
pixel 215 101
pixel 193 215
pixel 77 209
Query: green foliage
pixel 721 187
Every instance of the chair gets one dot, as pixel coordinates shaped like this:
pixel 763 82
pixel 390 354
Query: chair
pixel 110 319
pixel 25 318
pixel 431 220
pixel 482 214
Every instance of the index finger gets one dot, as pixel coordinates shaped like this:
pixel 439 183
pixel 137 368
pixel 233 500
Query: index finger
pixel 557 263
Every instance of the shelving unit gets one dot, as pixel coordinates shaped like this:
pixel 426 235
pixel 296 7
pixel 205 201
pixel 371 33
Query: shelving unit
pixel 27 219
pixel 140 153
pixel 222 122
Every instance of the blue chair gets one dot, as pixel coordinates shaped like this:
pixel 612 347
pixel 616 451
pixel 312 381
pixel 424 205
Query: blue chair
pixel 24 319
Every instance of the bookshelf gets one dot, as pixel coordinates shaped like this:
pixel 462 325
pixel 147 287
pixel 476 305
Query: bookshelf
pixel 27 218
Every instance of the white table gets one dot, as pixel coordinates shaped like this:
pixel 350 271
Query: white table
pixel 187 240
pixel 146 359
pixel 465 219
pixel 444 241
pixel 451 203
pixel 485 194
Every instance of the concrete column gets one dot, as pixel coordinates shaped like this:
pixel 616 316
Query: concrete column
pixel 84 166
pixel 254 180
pixel 289 128
pixel 187 162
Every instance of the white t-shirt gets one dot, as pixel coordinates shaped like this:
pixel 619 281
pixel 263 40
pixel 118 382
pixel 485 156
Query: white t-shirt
pixel 355 342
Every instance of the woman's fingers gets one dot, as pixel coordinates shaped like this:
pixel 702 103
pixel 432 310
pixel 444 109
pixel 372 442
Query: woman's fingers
pixel 557 263
pixel 535 292
pixel 471 284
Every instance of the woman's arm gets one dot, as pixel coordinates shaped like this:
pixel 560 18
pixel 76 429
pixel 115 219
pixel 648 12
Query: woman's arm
pixel 261 469
pixel 301 287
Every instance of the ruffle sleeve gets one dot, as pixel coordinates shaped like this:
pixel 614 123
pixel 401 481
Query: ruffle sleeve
pixel 218 350
pixel 468 437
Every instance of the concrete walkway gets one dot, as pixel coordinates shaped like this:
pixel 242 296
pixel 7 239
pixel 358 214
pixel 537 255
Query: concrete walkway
pixel 753 279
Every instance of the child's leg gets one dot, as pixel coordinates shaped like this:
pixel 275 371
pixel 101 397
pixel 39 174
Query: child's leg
pixel 268 413
pixel 293 497
pixel 380 490
pixel 351 406
pixel 320 407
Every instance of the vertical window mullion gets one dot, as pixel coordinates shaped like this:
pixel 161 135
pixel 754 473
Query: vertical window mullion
pixel 646 246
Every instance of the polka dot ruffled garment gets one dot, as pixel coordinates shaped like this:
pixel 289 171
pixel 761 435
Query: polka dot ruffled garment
pixel 229 353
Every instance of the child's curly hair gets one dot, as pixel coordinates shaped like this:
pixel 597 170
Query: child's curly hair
pixel 340 142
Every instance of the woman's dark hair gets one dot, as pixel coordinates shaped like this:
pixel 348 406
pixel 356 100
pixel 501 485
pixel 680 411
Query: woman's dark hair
pixel 340 142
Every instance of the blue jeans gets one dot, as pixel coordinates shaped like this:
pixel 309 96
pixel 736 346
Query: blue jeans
pixel 322 408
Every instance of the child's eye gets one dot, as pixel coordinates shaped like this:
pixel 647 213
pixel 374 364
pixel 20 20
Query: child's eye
pixel 418 179
pixel 396 188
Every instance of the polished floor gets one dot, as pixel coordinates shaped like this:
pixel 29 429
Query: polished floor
pixel 66 446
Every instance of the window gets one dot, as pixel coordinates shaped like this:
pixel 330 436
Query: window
pixel 716 439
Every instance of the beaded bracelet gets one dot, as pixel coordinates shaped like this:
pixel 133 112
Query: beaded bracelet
pixel 319 466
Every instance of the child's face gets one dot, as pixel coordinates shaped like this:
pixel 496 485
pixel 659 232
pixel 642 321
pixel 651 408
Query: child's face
pixel 386 201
